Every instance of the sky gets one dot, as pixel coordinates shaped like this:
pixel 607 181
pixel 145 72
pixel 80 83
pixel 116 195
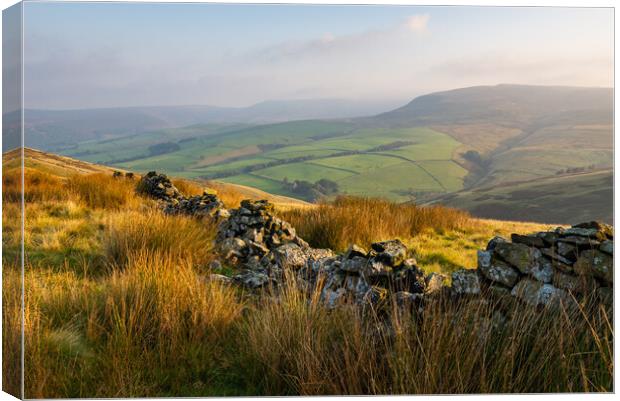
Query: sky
pixel 86 55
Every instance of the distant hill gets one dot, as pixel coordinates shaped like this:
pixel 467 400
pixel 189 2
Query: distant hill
pixel 63 166
pixel 487 138
pixel 57 129
pixel 522 106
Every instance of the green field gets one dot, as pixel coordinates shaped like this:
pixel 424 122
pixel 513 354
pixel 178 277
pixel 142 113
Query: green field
pixel 362 161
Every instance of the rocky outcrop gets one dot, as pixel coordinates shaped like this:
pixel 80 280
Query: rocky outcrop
pixel 545 268
pixel 159 186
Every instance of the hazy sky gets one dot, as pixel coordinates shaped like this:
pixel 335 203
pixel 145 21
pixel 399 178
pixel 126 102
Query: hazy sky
pixel 83 55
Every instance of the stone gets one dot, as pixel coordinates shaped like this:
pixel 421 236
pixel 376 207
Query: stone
pixel 606 229
pixel 558 261
pixel 498 291
pixel 215 265
pixel 356 264
pixel 574 284
pixel 376 268
pixel 566 250
pixel 607 247
pixel 434 283
pixel 592 233
pixel 333 298
pixel 409 301
pixel 253 279
pixel 520 256
pixel 290 256
pixel 465 282
pixel 534 293
pixel 529 240
pixel 392 252
pixel 542 270
pixel 494 241
pixel 498 271
pixel 548 237
pixel 579 242
pixel 597 264
pixel 232 247
pixel 355 251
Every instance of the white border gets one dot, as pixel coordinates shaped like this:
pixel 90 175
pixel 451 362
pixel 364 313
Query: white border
pixel 557 3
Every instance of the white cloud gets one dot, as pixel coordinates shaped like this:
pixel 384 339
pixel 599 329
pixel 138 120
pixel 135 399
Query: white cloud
pixel 418 23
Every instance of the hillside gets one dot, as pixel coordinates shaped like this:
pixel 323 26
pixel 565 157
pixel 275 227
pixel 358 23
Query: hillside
pixel 122 299
pixel 442 143
pixel 568 198
pixel 59 129
pixel 62 166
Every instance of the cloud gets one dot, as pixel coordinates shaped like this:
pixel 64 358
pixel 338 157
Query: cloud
pixel 418 23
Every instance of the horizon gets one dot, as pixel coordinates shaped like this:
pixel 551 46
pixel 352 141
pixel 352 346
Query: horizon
pixel 106 55
pixel 403 102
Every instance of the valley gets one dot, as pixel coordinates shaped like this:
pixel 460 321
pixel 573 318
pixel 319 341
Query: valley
pixel 437 148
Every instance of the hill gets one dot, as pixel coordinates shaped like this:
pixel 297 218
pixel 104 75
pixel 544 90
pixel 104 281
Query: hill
pixel 117 299
pixel 59 129
pixel 567 198
pixel 441 143
pixel 64 167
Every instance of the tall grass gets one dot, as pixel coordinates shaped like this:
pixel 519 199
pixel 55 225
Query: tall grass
pixel 296 347
pixel 38 186
pixel 359 220
pixel 153 324
pixel 103 191
pixel 179 237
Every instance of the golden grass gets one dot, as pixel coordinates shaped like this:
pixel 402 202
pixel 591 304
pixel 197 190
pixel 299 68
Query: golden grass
pixel 38 186
pixel 181 237
pixel 104 191
pixel 152 324
pixel 349 220
pixel 187 188
pixel 296 347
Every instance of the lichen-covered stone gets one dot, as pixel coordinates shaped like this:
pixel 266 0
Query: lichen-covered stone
pixel 465 282
pixel 391 252
pixel 595 263
pixel 497 270
pixel 535 293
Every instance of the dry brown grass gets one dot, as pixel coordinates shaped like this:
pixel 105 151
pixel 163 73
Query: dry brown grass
pixel 180 237
pixel 38 186
pixel 188 188
pixel 349 220
pixel 153 325
pixel 297 347
pixel 103 191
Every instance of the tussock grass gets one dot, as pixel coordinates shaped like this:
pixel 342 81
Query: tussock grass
pixel 38 186
pixel 103 191
pixel 358 220
pixel 152 324
pixel 296 347
pixel 187 188
pixel 180 237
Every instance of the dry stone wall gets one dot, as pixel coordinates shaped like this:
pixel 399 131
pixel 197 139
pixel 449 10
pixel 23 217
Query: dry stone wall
pixel 545 268
pixel 537 270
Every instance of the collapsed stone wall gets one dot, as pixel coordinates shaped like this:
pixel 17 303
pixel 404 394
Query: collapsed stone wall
pixel 545 268
pixel 541 269
pixel 159 186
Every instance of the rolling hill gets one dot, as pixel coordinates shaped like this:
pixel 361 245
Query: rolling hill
pixel 462 140
pixel 565 199
pixel 61 129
